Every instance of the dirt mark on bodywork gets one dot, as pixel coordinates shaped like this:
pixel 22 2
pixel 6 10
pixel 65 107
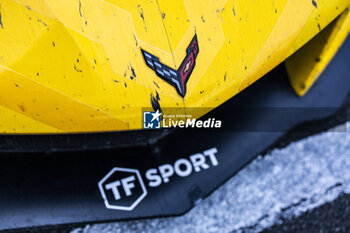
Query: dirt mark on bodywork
pixel 155 102
pixel 1 25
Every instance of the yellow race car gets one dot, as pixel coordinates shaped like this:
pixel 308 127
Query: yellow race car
pixel 92 75
pixel 74 66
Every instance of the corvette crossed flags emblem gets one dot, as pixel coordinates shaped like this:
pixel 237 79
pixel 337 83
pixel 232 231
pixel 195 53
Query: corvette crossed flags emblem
pixel 177 78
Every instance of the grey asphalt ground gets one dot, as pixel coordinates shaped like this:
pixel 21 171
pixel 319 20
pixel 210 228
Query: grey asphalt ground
pixel 304 187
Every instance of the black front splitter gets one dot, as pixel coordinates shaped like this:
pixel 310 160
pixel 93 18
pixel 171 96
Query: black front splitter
pixel 46 189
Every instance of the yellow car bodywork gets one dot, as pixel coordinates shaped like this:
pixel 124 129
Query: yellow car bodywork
pixel 77 66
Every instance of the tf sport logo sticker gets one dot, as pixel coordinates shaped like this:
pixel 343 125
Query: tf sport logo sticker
pixel 124 188
pixel 177 78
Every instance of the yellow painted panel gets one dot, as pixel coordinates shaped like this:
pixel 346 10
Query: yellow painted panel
pixel 177 24
pixel 307 64
pixel 114 27
pixel 281 39
pixel 82 70
pixel 15 122
pixel 244 33
pixel 43 104
pixel 87 54
pixel 210 38
pixel 325 13
pixel 16 38
pixel 147 21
